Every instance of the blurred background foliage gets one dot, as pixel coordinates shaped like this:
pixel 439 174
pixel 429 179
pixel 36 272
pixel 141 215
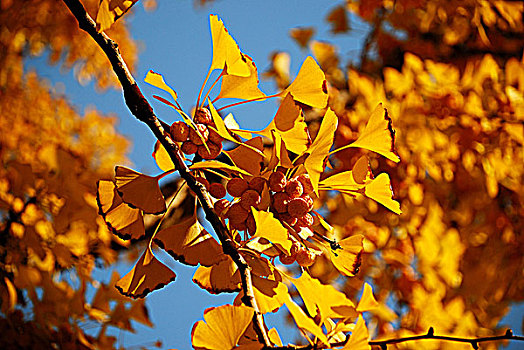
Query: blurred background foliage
pixel 452 77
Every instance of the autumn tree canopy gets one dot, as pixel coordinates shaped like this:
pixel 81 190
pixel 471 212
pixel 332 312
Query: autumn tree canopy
pixel 382 201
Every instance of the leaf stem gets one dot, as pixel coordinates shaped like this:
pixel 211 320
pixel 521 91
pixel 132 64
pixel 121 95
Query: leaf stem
pixel 252 100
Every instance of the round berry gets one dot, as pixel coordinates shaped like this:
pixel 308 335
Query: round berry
pixel 189 147
pixel 305 257
pixel 251 224
pixel 203 116
pixel 257 183
pixel 237 214
pixel 297 207
pixel 294 188
pixel 179 131
pixel 286 259
pixel 217 190
pixel 305 221
pixel 277 181
pixel 215 137
pixel 221 207
pixel 287 218
pixel 236 186
pixel 280 201
pixel 195 138
pixel 211 152
pixel 249 198
pixel 309 201
pixel 305 180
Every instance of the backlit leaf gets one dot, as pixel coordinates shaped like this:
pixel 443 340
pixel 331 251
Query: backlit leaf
pixel 271 229
pixel 338 19
pixel 111 10
pixel 139 190
pixel 269 294
pixel 226 53
pixel 290 124
pixel 147 275
pixel 222 327
pixel 157 80
pixel 378 135
pixel 310 86
pixel 162 158
pixel 246 158
pixel 124 221
pixel 245 88
pixel 380 190
pixel 347 258
pixel 367 302
pixel 323 299
pixel 305 322
pixel 188 242
pixel 319 150
pixel 220 278
pixel 215 164
pixel 359 339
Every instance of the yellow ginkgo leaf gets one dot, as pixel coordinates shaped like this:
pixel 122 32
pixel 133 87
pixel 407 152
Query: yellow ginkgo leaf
pixel 157 80
pixel 269 294
pixel 220 278
pixel 305 322
pixel 147 275
pixel 367 302
pixel 290 124
pixel 188 242
pixel 378 135
pixel 343 182
pixel 302 35
pixel 359 339
pixel 122 220
pixel 380 190
pixel 226 53
pixel 319 150
pixel 274 337
pixel 222 327
pixel 271 229
pixel 245 88
pixel 139 190
pixel 323 299
pixel 215 164
pixel 111 10
pixel 310 86
pixel 279 154
pixel 246 158
pixel 346 259
pixel 162 158
pixel 223 131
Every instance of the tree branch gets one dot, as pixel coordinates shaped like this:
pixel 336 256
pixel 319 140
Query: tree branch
pixel 429 335
pixel 142 110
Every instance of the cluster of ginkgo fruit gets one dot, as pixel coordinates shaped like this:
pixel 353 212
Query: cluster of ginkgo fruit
pixel 207 143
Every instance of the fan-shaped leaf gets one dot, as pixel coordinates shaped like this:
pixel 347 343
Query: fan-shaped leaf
pixel 271 229
pixel 380 190
pixel 139 190
pixel 245 88
pixel 220 278
pixel 147 275
pixel 157 80
pixel 319 150
pixel 304 322
pixel 111 10
pixel 359 339
pixel 367 302
pixel 347 258
pixel 188 242
pixel 310 86
pixel 222 327
pixel 124 221
pixel 162 158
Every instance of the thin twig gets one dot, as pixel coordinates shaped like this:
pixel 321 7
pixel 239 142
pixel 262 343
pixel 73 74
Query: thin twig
pixel 142 110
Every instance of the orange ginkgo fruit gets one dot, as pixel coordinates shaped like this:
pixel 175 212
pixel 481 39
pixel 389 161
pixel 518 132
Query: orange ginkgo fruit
pixel 139 190
pixel 222 327
pixel 147 275
pixel 124 221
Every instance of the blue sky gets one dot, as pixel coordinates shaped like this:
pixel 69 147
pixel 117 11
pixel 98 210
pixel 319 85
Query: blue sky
pixel 175 41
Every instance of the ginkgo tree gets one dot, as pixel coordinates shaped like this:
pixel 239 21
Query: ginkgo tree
pixel 262 202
